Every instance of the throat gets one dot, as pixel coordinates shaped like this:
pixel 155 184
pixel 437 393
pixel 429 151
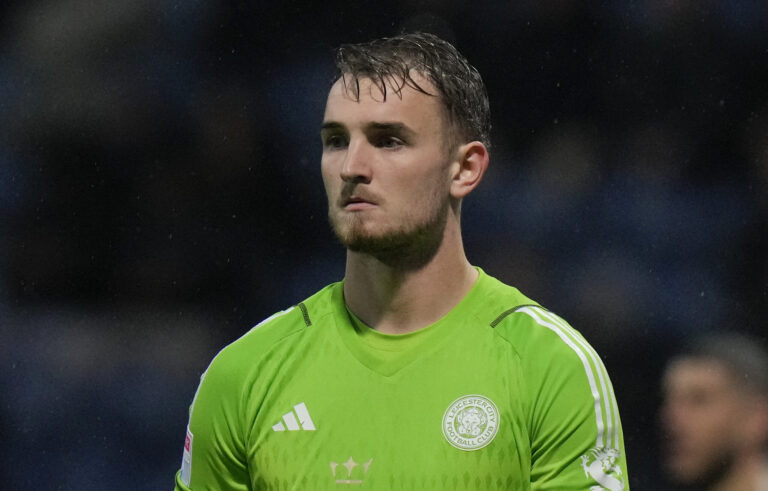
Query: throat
pixel 404 301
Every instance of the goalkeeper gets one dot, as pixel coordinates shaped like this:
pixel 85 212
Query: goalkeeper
pixel 417 370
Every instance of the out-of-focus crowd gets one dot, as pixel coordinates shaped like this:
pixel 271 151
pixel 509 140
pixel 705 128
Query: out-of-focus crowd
pixel 160 194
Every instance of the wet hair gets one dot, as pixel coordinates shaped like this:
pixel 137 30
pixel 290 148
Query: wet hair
pixel 390 62
pixel 744 356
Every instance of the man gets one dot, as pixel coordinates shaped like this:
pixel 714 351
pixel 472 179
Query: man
pixel 715 415
pixel 418 371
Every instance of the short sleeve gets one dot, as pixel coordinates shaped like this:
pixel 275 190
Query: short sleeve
pixel 574 424
pixel 214 449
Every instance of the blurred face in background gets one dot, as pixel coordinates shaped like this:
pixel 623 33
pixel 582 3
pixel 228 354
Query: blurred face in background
pixel 709 421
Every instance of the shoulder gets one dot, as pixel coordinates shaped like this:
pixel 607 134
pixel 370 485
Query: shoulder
pixel 275 330
pixel 541 338
pixel 557 360
pixel 534 327
pixel 492 300
pixel 545 339
pixel 228 381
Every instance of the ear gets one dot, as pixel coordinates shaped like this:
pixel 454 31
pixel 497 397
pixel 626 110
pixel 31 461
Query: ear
pixel 471 161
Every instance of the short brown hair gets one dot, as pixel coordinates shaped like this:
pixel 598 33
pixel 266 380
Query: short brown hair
pixel 390 61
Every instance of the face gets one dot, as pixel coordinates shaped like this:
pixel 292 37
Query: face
pixel 386 169
pixel 702 417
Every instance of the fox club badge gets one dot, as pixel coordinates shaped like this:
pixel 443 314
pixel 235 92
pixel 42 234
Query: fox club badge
pixel 471 422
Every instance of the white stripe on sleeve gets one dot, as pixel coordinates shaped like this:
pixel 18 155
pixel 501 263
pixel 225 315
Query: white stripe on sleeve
pixel 557 329
pixel 609 402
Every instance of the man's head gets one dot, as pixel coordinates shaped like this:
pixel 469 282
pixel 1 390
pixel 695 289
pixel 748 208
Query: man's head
pixel 715 411
pixel 404 140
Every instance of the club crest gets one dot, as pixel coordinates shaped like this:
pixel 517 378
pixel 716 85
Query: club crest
pixel 471 422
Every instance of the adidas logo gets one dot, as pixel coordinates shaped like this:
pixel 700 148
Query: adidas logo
pixel 292 420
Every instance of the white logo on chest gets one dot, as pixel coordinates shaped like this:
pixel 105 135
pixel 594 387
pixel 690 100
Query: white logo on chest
pixel 289 421
pixel 471 422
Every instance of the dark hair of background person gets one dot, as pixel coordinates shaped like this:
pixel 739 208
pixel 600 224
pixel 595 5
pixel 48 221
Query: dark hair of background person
pixel 743 356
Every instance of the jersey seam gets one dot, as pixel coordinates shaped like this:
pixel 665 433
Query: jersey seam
pixel 507 312
pixel 305 314
pixel 529 416
pixel 522 380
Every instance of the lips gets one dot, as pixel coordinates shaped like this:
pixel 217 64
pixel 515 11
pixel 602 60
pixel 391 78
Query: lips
pixel 355 205
pixel 356 198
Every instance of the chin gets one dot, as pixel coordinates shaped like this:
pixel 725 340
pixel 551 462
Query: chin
pixel 370 243
pixel 360 235
pixel 408 244
pixel 358 238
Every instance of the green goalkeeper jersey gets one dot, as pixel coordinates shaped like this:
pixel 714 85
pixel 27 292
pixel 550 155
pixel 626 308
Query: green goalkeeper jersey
pixel 498 394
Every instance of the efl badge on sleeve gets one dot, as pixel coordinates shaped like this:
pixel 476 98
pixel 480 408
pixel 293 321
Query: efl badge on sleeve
pixel 186 460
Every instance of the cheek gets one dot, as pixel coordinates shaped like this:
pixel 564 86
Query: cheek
pixel 434 190
pixel 330 180
pixel 713 426
pixel 415 198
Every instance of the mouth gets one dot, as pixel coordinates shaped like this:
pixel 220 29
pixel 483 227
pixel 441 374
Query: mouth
pixel 354 200
pixel 354 203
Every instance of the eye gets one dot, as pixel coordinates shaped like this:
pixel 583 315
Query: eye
pixel 334 142
pixel 391 142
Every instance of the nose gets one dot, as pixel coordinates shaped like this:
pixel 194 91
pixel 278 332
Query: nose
pixel 357 163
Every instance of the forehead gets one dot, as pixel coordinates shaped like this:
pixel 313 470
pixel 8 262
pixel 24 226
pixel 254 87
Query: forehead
pixel 363 101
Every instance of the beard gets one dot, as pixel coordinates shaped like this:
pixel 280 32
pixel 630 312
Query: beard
pixel 410 245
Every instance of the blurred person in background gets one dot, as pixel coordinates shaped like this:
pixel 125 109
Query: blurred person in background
pixel 419 370
pixel 715 415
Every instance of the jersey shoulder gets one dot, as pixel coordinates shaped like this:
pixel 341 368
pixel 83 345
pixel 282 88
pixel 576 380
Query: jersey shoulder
pixel 536 333
pixel 275 330
pixel 539 335
pixel 556 358
pixel 496 300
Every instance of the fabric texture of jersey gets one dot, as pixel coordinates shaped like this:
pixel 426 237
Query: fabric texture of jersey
pixel 498 394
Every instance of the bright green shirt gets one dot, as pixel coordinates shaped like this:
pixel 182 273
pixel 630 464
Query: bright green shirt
pixel 498 394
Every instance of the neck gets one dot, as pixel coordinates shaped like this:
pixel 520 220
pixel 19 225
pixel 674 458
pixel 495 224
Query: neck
pixel 396 300
pixel 747 474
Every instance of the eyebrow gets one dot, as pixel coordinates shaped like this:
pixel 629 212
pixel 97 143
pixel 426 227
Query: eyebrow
pixel 331 125
pixel 396 127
